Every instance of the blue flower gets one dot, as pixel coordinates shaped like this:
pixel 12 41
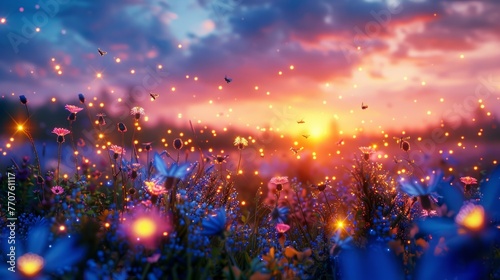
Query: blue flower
pixel 467 236
pixel 175 171
pixel 279 214
pixel 415 189
pixel 37 259
pixel 215 224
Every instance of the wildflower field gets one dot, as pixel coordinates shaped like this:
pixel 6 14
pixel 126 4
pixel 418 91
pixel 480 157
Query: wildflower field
pixel 233 139
pixel 140 213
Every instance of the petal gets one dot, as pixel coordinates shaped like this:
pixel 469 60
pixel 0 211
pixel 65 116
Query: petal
pixel 62 254
pixel 37 239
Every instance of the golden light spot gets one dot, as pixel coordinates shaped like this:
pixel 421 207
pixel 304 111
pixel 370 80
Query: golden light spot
pixel 99 75
pixel 173 88
pixel 144 227
pixel 179 46
pixel 59 72
pixel 20 127
pixel 118 60
pixel 340 224
pixel 37 29
pixel 30 264
pixel 462 56
pixel 471 216
pixel 106 225
pixel 57 67
pixel 132 71
pixel 280 73
pixel 3 20
pixel 220 87
pixel 292 67
pixel 62 228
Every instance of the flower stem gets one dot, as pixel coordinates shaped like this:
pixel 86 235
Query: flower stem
pixel 74 148
pixel 32 142
pixel 239 162
pixel 327 203
pixel 58 162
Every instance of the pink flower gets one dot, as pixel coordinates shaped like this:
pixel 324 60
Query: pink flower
pixel 73 109
pixel 117 149
pixel 277 183
pixel 57 190
pixel 137 112
pixel 468 180
pixel 60 131
pixel 282 228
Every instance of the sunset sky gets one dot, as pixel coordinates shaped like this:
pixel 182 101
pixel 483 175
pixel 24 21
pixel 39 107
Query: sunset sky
pixel 414 64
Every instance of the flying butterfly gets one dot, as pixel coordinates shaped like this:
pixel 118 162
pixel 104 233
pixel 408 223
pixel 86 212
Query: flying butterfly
pixel 301 121
pixel 295 150
pixel 403 143
pixel 153 95
pixel 101 52
pixel 363 106
pixel 306 135
pixel 227 79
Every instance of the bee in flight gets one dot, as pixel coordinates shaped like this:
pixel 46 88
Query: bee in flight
pixel 153 95
pixel 403 142
pixel 306 135
pixel 363 106
pixel 295 150
pixel 101 52
pixel 227 79
pixel 340 142
pixel 301 121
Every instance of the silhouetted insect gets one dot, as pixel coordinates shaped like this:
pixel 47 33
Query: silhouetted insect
pixel 301 121
pixel 403 144
pixel 153 95
pixel 340 142
pixel 295 150
pixel 363 106
pixel 396 160
pixel 227 79
pixel 305 135
pixel 101 52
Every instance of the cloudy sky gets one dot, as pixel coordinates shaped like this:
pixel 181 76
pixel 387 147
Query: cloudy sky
pixel 414 63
